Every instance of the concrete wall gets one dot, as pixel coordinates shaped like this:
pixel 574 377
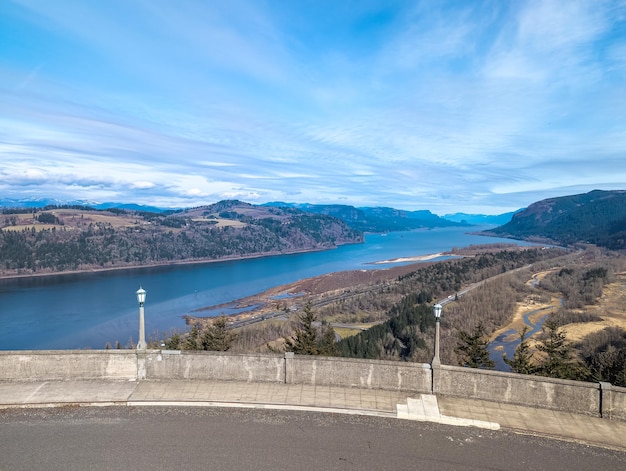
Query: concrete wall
pixel 535 391
pixel 290 369
pixel 217 366
pixel 595 399
pixel 613 402
pixel 68 364
pixel 367 374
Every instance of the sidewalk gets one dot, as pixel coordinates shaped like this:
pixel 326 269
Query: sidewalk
pixel 402 405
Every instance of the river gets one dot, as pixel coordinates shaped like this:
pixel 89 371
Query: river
pixel 508 341
pixel 88 310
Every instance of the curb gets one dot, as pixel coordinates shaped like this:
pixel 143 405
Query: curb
pixel 258 405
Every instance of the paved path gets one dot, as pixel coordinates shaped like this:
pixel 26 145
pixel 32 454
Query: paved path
pixel 403 405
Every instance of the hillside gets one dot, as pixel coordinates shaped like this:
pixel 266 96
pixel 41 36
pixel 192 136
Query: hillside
pixel 597 217
pixel 375 219
pixel 481 219
pixel 62 238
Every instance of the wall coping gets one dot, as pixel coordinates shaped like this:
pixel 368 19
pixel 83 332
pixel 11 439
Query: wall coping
pixel 115 351
pixel 215 354
pixel 363 361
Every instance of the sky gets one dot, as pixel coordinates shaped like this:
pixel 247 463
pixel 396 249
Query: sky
pixel 481 107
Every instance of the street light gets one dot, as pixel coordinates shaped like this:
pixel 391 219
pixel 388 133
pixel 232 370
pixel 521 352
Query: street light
pixel 141 299
pixel 437 311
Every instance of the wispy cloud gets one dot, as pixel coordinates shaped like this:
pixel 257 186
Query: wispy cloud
pixel 471 106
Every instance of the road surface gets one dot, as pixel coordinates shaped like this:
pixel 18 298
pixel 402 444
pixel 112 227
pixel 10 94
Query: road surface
pixel 167 438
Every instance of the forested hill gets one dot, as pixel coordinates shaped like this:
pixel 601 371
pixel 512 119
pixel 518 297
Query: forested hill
pixel 597 217
pixel 62 238
pixel 375 219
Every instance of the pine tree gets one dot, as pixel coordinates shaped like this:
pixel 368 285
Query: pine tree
pixel 305 338
pixel 193 339
pixel 522 358
pixel 328 343
pixel 173 343
pixel 473 349
pixel 216 337
pixel 559 361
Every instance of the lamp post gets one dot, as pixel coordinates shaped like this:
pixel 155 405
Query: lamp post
pixel 437 311
pixel 141 299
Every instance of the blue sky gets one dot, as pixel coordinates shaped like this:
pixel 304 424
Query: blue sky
pixel 472 106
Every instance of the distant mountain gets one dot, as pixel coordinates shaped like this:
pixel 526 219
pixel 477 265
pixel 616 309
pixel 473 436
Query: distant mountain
pixel 39 202
pixel 130 207
pixel 481 219
pixel 597 217
pixel 375 219
pixel 43 202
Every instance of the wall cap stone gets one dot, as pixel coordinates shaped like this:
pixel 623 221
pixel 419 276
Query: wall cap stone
pixel 407 364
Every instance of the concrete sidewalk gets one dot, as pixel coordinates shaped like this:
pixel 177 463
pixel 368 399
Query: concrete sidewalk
pixel 403 405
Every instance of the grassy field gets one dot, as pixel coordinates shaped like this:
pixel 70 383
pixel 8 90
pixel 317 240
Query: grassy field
pixel 221 222
pixel 68 219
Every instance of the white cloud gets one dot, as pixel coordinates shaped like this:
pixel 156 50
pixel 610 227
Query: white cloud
pixel 422 105
pixel 143 185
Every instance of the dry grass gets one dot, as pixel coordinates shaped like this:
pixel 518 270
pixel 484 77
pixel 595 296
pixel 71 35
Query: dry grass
pixel 71 219
pixel 219 222
pixel 611 308
pixel 344 332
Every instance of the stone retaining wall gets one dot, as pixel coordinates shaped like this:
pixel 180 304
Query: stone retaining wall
pixel 68 364
pixel 355 373
pixel 594 399
pixel 613 402
pixel 172 364
pixel 534 391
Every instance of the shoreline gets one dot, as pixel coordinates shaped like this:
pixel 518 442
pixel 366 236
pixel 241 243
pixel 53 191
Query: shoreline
pixel 290 293
pixel 416 258
pixel 158 265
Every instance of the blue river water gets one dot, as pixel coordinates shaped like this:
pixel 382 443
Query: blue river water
pixel 88 310
pixel 501 345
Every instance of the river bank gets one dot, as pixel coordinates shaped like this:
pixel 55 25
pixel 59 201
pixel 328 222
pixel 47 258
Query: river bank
pixel 285 296
pixel 5 276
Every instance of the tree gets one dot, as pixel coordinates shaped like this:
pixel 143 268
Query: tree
pixel 328 344
pixel 173 343
pixel 559 361
pixel 305 338
pixel 473 348
pixel 216 337
pixel 522 358
pixel 192 342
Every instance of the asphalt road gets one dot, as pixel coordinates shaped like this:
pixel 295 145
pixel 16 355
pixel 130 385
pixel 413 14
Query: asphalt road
pixel 166 438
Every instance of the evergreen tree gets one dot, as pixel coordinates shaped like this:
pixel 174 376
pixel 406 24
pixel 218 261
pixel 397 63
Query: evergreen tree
pixel 327 344
pixel 522 358
pixel 216 337
pixel 305 338
pixel 559 359
pixel 173 343
pixel 193 341
pixel 473 349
